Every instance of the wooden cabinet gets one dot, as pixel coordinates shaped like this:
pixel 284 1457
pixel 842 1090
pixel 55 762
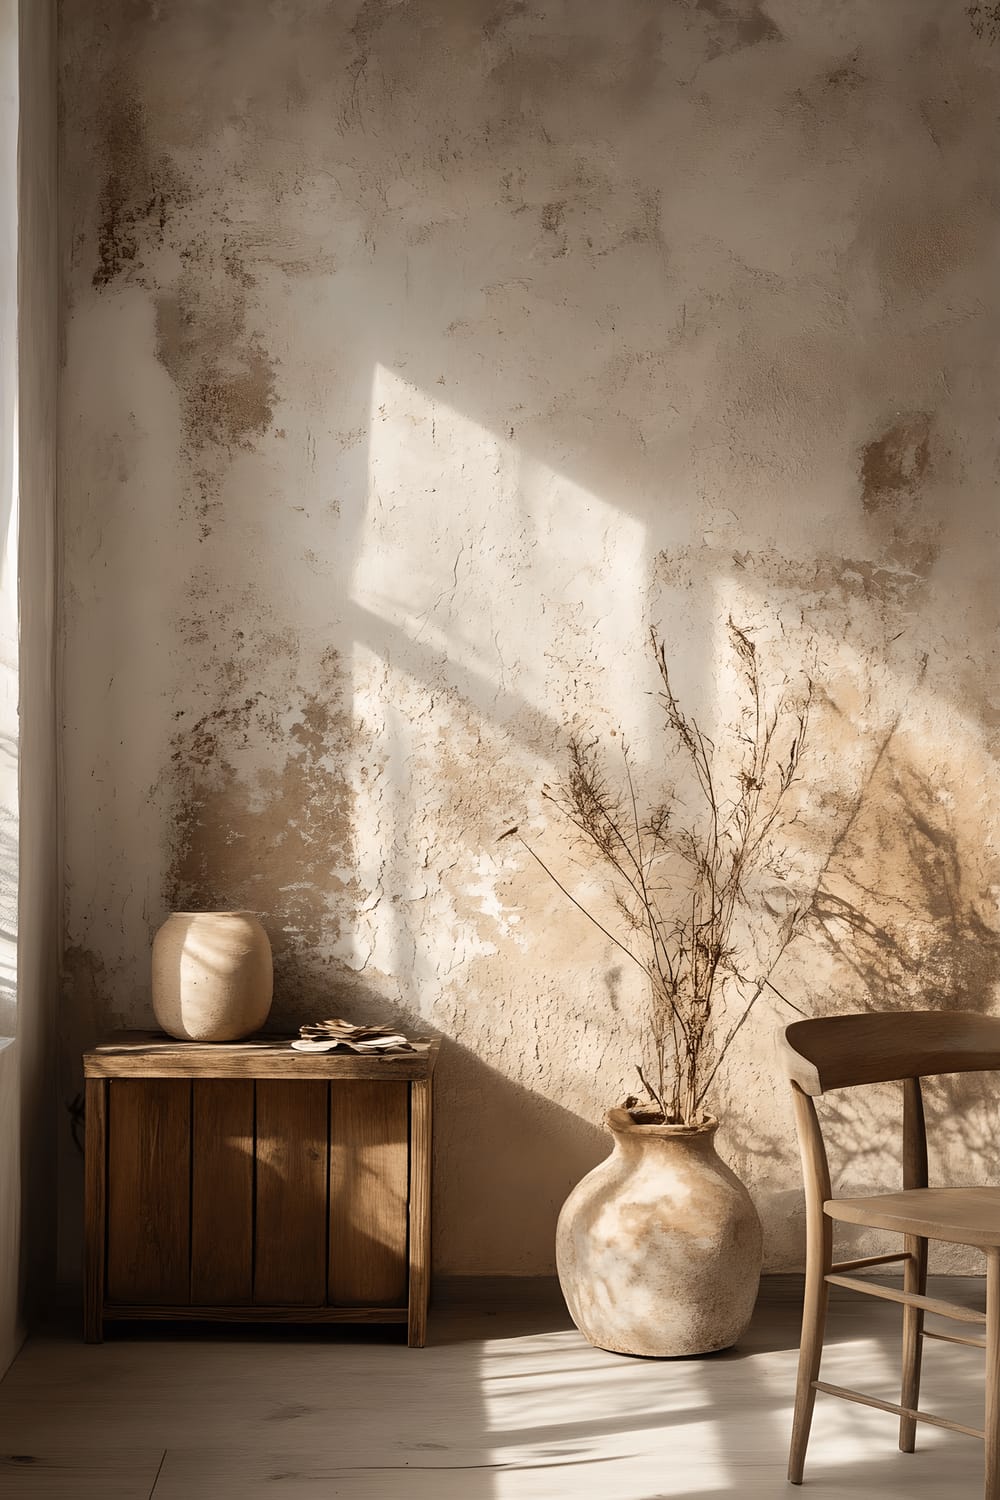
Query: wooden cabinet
pixel 248 1182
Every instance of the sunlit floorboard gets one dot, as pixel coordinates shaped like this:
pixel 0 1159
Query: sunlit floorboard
pixel 508 1404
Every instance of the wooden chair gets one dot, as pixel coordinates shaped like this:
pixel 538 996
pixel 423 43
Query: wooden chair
pixel 839 1052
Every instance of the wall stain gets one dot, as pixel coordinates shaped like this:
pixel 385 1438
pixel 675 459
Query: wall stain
pixel 84 982
pixel 985 21
pixel 370 18
pixel 739 25
pixel 826 580
pixel 846 77
pixel 140 194
pixel 896 463
pixel 224 374
pixel 87 1012
pixel 272 840
pixel 646 229
pixel 199 745
pixel 504 13
pixel 552 216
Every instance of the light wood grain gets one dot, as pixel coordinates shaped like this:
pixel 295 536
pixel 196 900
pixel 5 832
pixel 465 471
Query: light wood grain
pixel 95 1207
pixel 369 1189
pixel 905 1298
pixel 914 1136
pixel 959 1216
pixel 421 1119
pixel 914 1285
pixel 915 1268
pixel 150 1055
pixel 222 1188
pixel 506 1402
pixel 819 1257
pixel 954 1338
pixel 292 1150
pixel 835 1052
pixel 149 1176
pixel 846 1394
pixel 842 1266
pixel 117 1473
pixel 992 1424
pixel 849 1051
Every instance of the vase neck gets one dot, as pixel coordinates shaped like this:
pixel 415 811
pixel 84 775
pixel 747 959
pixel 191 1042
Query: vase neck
pixel 631 1136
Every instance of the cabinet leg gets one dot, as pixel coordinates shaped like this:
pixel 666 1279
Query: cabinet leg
pixel 93 1324
pixel 420 1211
pixel 95 1177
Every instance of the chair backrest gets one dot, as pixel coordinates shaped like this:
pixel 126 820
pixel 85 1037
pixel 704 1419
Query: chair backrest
pixel 837 1052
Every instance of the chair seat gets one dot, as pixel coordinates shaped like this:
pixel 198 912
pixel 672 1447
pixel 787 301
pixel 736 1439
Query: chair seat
pixel 960 1215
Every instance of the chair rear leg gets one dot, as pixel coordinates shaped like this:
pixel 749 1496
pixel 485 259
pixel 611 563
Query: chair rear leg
pixel 819 1255
pixel 914 1280
pixel 991 1489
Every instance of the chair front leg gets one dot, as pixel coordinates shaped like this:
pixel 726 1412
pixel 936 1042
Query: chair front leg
pixel 991 1490
pixel 914 1280
pixel 819 1257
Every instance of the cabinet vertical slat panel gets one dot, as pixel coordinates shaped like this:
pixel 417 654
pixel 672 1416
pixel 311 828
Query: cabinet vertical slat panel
pixel 291 1218
pixel 369 1180
pixel 222 1164
pixel 149 1191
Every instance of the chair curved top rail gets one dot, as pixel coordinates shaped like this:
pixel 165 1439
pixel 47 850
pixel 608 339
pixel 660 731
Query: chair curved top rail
pixel 837 1052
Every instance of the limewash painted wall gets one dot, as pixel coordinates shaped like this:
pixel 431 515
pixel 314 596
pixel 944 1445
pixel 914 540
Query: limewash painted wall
pixel 417 357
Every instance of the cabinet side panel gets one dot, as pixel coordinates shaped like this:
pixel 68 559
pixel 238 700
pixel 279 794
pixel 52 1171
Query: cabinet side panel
pixel 291 1221
pixel 95 1209
pixel 421 1113
pixel 369 1180
pixel 149 1191
pixel 222 1158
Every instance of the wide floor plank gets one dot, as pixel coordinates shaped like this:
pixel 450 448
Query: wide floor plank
pixel 79 1474
pixel 506 1402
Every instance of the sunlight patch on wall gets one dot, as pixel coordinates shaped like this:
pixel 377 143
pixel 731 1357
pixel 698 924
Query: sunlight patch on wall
pixel 526 584
pixel 498 600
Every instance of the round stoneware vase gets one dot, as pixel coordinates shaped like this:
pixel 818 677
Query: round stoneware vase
pixel 212 975
pixel 659 1248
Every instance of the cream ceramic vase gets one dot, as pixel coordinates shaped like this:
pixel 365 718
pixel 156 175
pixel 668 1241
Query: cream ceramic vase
pixel 659 1248
pixel 212 975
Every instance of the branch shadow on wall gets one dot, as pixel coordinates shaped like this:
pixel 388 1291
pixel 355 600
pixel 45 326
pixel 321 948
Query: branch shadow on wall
pixel 904 923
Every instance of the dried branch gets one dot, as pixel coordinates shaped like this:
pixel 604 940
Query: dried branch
pixel 688 927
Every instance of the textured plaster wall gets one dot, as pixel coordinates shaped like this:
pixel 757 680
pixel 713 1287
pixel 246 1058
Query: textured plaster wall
pixel 417 357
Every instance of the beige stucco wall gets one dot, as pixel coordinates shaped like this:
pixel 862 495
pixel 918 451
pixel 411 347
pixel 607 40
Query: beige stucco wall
pixel 417 357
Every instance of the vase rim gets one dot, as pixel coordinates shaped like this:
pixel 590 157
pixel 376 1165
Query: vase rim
pixel 620 1122
pixel 233 912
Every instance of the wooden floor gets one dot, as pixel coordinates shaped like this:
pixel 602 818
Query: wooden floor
pixel 506 1404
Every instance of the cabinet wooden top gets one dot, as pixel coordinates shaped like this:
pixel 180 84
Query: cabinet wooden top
pixel 149 1054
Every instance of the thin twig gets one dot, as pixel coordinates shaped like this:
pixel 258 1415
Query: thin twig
pixel 590 918
pixel 688 926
